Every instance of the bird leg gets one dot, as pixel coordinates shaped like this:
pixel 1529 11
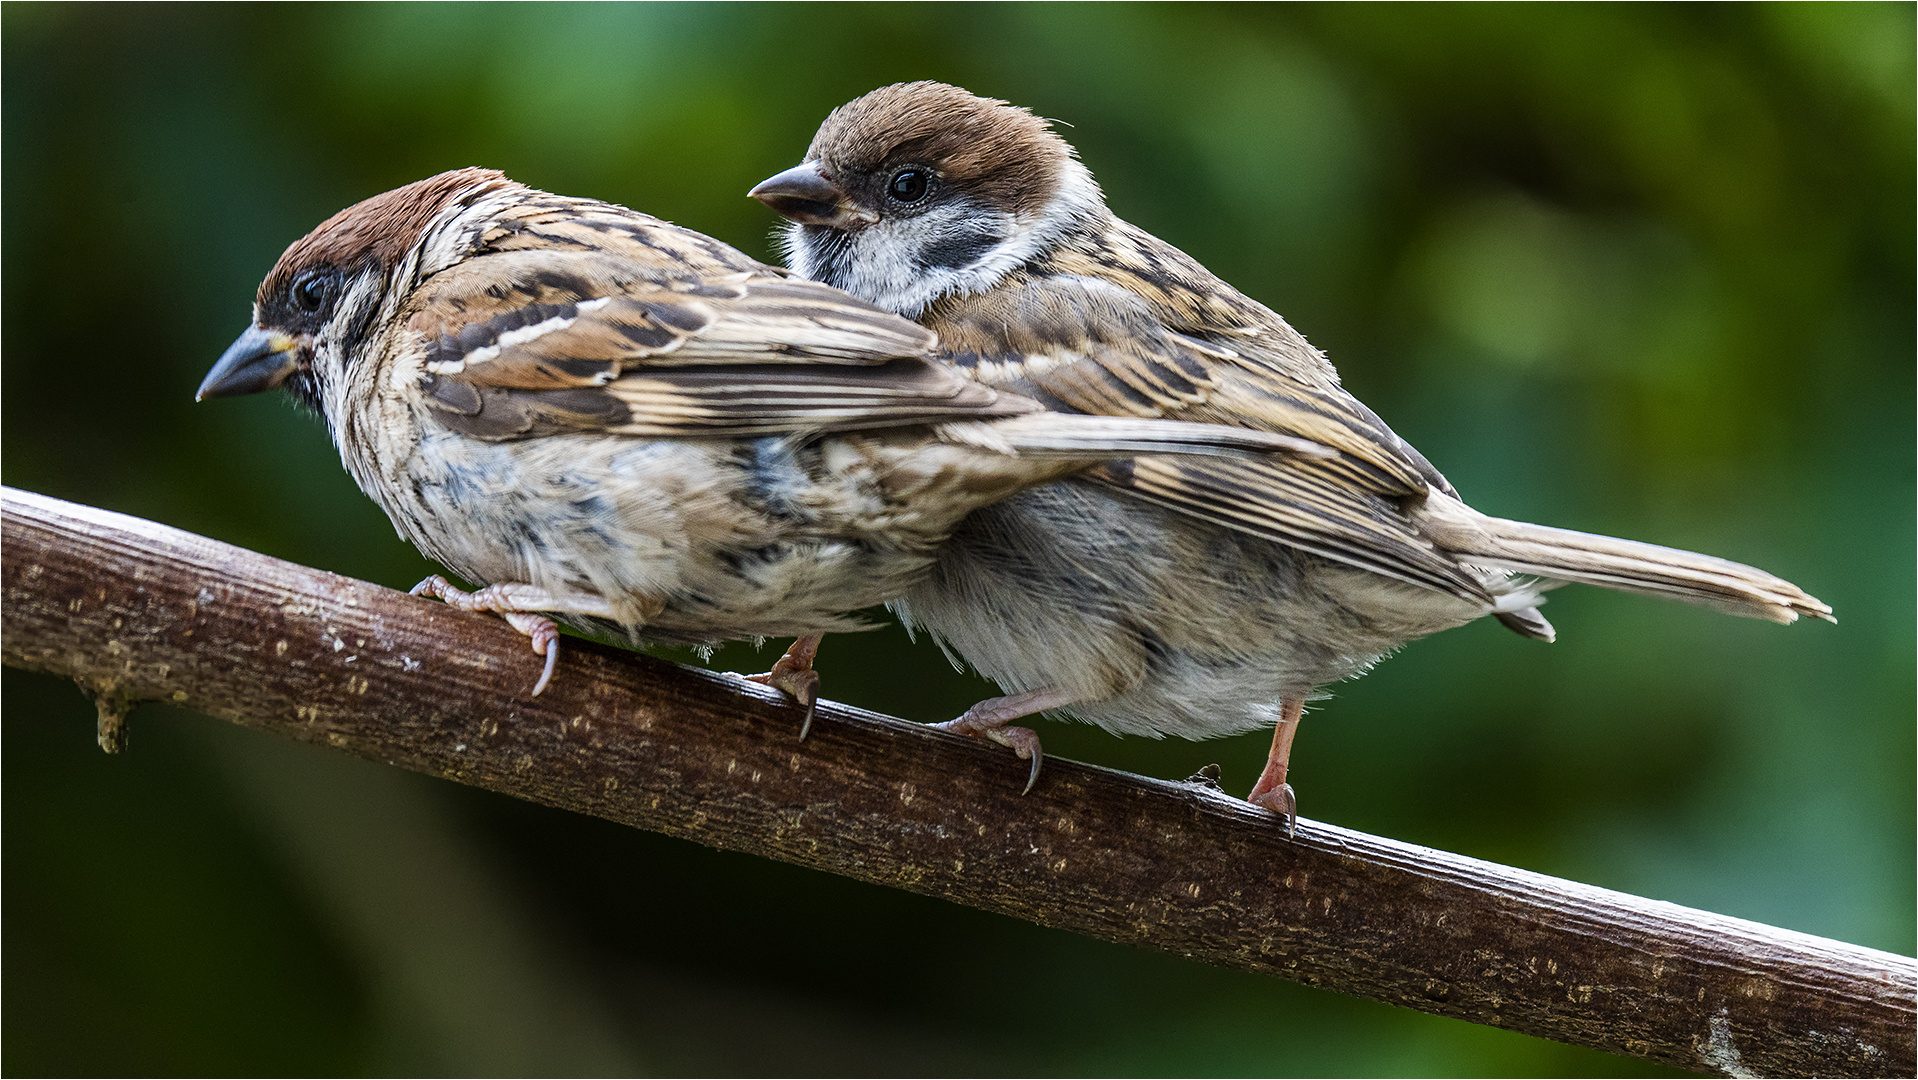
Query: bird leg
pixel 793 674
pixel 519 605
pixel 988 720
pixel 1272 792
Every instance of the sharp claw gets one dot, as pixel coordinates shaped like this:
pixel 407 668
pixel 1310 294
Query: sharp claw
pixel 543 631
pixel 1282 801
pixel 804 687
pixel 1038 757
pixel 552 658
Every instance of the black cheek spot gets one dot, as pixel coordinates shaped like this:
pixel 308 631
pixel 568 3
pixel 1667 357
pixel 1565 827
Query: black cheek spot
pixel 960 249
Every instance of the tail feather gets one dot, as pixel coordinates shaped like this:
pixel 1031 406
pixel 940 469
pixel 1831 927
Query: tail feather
pixel 1565 555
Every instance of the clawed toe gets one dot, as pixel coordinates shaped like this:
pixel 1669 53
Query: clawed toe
pixel 989 720
pixel 1021 741
pixel 1025 743
pixel 545 637
pixel 543 631
pixel 801 686
pixel 793 675
pixel 1282 801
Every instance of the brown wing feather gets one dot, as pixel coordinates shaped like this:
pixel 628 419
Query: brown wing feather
pixel 1304 503
pixel 1125 331
pixel 581 316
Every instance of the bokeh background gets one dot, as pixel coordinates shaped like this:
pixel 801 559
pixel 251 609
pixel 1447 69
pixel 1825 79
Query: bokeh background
pixel 1645 270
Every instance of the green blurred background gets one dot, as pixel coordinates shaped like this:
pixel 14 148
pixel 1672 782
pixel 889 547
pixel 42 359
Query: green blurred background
pixel 1642 270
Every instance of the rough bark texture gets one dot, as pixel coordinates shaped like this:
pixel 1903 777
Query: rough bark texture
pixel 137 611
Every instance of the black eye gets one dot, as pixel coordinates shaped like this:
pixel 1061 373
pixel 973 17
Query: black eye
pixel 309 293
pixel 909 185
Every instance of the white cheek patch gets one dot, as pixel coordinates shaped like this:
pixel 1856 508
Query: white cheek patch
pixel 886 264
pixel 905 264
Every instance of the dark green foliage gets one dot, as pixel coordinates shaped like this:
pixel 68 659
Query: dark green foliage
pixel 1639 270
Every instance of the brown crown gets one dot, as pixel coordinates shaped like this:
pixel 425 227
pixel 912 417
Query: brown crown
pixel 986 146
pixel 381 229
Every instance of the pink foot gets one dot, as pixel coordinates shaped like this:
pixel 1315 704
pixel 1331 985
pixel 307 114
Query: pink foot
pixel 989 720
pixel 509 602
pixel 1272 792
pixel 793 675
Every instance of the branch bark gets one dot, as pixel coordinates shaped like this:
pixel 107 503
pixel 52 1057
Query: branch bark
pixel 137 611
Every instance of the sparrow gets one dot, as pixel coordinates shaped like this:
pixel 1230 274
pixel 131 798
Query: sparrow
pixel 605 420
pixel 1157 595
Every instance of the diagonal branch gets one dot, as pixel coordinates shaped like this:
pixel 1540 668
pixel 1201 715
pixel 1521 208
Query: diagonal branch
pixel 138 611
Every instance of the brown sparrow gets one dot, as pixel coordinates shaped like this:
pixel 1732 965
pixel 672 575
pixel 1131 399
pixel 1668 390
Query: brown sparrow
pixel 613 422
pixel 1160 595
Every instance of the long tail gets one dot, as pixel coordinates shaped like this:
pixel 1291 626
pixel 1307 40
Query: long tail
pixel 1565 555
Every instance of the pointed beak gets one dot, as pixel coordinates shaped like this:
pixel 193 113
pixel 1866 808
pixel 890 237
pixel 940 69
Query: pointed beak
pixel 805 195
pixel 259 360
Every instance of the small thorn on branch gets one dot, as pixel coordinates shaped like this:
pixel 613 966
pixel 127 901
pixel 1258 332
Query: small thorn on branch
pixel 114 706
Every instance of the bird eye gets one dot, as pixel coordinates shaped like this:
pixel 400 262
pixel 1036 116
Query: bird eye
pixel 309 293
pixel 909 185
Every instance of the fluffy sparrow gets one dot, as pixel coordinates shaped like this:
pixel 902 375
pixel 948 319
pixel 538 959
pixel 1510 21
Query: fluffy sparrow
pixel 1158 595
pixel 613 422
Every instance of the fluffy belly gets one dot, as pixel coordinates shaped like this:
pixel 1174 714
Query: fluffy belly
pixel 668 540
pixel 1164 624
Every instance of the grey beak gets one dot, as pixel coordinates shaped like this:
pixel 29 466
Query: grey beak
pixel 259 360
pixel 804 194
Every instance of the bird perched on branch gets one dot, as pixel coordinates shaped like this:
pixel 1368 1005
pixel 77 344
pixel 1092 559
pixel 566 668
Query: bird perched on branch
pixel 1165 596
pixel 613 422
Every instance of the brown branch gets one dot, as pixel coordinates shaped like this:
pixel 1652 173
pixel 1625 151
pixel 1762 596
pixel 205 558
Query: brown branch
pixel 137 611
